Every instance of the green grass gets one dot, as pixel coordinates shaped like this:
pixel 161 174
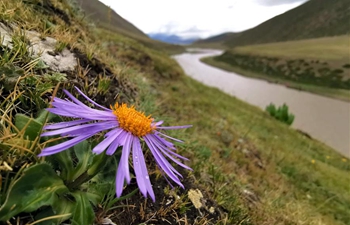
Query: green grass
pixel 297 180
pixel 328 92
pixel 328 48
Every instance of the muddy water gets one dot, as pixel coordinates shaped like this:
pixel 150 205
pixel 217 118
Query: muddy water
pixel 325 119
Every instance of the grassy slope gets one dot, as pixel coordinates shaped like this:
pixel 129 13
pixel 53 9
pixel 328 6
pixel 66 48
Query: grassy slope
pixel 313 19
pixel 260 170
pixel 333 50
pixel 103 15
pixel 108 19
pixel 253 153
pixel 328 48
pixel 216 42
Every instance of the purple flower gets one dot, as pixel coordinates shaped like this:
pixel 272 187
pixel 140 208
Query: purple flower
pixel 126 128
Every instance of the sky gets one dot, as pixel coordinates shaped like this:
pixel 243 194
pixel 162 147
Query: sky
pixel 199 18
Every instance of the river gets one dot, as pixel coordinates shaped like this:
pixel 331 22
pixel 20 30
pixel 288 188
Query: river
pixel 325 119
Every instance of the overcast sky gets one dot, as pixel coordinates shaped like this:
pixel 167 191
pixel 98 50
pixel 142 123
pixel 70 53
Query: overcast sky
pixel 198 18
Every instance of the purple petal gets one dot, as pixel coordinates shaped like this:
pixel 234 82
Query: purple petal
pixel 112 148
pixel 163 149
pixel 64 145
pixel 90 100
pixel 158 123
pixel 174 127
pixel 67 108
pixel 123 167
pixel 81 129
pixel 75 99
pixel 140 168
pixel 65 124
pixel 170 137
pixel 118 141
pixel 91 114
pixel 62 113
pixel 111 136
pixel 166 162
pixel 164 142
pixel 162 162
pixel 168 146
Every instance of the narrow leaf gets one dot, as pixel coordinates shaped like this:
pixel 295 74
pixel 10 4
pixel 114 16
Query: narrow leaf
pixel 83 212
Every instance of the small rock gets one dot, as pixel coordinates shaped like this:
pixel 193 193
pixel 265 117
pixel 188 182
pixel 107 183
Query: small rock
pixel 195 196
pixel 43 49
pixel 211 210
pixel 246 151
pixel 168 202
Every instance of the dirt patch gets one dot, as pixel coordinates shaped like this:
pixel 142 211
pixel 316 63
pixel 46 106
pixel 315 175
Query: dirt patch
pixel 119 90
pixel 171 207
pixel 46 7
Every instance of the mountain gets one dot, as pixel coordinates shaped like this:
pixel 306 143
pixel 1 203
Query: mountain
pixel 104 16
pixel 171 38
pixel 313 19
pixel 218 38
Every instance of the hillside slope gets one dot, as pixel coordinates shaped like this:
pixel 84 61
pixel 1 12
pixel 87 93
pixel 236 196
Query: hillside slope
pixel 218 38
pixel 104 16
pixel 315 18
pixel 108 19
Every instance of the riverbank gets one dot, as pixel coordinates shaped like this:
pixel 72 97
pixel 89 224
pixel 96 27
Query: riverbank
pixel 340 94
pixel 314 114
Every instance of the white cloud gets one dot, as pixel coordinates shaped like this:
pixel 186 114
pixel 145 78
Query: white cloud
pixel 189 18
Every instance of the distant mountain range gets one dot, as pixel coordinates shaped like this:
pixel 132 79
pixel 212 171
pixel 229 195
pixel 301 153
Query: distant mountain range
pixel 171 38
pixel 313 19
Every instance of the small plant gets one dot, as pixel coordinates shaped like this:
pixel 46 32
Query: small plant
pixel 281 113
pixel 347 66
pixel 103 84
pixel 60 46
pixel 71 176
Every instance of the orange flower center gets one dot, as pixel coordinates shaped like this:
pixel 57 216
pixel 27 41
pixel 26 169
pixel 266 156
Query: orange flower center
pixel 133 121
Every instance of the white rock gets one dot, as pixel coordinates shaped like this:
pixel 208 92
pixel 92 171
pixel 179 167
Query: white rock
pixel 43 49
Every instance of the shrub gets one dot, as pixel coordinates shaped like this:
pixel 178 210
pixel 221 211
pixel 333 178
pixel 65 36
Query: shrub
pixel 281 113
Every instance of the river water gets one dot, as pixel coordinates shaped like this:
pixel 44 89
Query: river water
pixel 325 119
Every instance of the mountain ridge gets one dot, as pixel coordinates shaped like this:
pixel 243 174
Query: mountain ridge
pixel 171 38
pixel 313 19
pixel 104 16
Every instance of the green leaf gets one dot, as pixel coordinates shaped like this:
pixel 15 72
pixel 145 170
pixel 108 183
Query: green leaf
pixel 94 198
pixel 84 154
pixel 65 163
pixel 62 206
pixel 83 212
pixel 37 187
pixel 98 163
pixel 31 126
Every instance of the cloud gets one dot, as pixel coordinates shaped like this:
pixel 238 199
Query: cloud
pixel 276 2
pixel 198 18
